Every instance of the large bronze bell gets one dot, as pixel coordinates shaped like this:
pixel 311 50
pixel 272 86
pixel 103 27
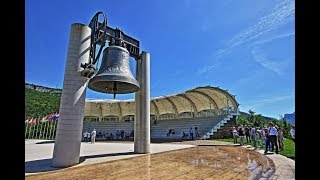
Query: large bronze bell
pixel 114 75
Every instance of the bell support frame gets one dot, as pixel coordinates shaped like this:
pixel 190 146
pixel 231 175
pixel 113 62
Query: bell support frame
pixel 116 37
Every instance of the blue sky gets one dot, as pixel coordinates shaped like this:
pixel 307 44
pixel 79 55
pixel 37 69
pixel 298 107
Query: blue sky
pixel 244 46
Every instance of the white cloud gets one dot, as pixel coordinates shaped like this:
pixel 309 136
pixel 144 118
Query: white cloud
pixel 260 57
pixel 273 38
pixel 205 69
pixel 267 100
pixel 279 16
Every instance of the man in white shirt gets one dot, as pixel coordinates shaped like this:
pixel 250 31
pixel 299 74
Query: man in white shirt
pixel 272 136
pixel 93 135
pixel 293 133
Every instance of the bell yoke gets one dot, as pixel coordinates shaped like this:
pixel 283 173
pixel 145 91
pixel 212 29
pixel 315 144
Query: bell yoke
pixel 113 77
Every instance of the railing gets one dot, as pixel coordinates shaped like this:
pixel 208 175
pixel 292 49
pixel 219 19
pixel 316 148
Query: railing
pixel 41 130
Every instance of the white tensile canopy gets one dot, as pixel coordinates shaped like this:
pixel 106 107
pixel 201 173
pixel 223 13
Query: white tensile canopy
pixel 195 101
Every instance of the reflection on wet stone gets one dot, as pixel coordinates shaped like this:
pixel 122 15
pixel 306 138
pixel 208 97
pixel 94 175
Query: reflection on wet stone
pixel 193 163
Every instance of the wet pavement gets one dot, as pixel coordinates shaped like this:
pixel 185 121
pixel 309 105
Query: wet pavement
pixel 200 162
pixel 178 160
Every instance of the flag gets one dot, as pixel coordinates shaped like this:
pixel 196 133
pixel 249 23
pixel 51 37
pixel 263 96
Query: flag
pixel 36 120
pixel 44 119
pixel 50 116
pixel 30 121
pixel 55 117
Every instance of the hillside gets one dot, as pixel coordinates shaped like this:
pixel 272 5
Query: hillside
pixel 290 118
pixel 40 103
pixel 265 117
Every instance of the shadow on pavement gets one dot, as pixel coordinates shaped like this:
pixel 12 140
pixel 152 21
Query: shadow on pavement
pixel 45 165
pixel 45 142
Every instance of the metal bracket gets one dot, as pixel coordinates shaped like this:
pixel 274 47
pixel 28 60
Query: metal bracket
pixel 99 34
pixel 96 38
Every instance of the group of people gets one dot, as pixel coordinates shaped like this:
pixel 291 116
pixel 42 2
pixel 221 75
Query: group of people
pixel 90 136
pixel 271 138
pixel 191 131
pixel 120 134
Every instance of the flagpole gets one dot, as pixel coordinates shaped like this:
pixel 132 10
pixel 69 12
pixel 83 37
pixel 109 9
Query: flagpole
pixel 47 129
pixel 26 130
pixel 50 132
pixel 40 130
pixel 49 117
pixel 37 122
pixel 29 128
pixel 52 119
pixel 54 129
pixel 50 128
pixel 44 130
pixel 32 130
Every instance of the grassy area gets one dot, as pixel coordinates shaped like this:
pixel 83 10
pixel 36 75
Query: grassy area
pixel 289 147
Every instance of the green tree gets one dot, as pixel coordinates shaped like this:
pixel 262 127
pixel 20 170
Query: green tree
pixel 285 126
pixel 259 121
pixel 241 119
pixel 252 117
pixel 39 104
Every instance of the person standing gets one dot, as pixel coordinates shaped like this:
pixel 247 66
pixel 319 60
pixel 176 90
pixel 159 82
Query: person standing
pixel 253 136
pixel 191 133
pixel 280 139
pixel 266 141
pixel 85 136
pixel 93 136
pixel 273 134
pixel 196 131
pixel 293 133
pixel 235 135
pixel 241 135
pixel 247 133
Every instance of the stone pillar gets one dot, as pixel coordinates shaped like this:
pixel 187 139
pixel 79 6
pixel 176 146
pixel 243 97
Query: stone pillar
pixel 69 130
pixel 142 98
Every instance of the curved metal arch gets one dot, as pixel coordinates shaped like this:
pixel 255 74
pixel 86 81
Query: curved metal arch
pixel 215 93
pixel 160 100
pixel 195 97
pixel 177 99
pixel 190 101
pixel 233 100
pixel 155 108
pixel 205 95
pixel 173 105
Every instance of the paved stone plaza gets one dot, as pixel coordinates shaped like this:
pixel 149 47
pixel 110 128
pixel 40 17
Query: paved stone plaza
pixel 38 155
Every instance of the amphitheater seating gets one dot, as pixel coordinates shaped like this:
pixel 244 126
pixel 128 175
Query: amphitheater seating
pixel 159 131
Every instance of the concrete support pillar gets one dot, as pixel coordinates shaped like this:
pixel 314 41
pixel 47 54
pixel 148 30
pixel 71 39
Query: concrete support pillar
pixel 142 98
pixel 68 137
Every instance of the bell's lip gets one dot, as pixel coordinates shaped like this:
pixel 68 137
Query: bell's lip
pixel 125 85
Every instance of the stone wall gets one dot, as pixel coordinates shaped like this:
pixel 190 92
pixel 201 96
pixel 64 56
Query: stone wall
pixel 43 89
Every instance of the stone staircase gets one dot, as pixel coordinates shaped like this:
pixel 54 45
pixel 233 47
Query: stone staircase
pixel 222 130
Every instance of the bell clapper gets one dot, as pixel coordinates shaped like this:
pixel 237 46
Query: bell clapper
pixel 114 89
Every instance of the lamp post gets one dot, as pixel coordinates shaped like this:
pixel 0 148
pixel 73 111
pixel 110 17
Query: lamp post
pixel 114 77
